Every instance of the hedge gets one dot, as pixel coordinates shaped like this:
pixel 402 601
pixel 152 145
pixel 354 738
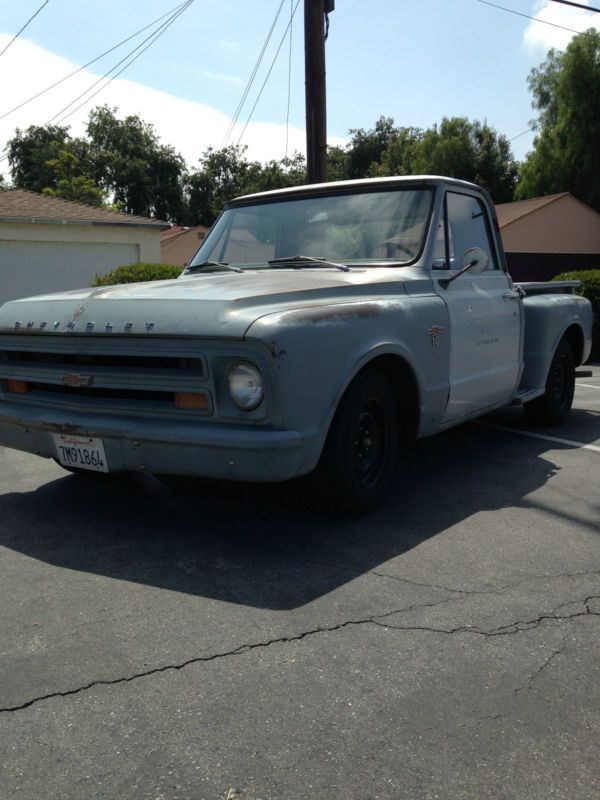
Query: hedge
pixel 590 288
pixel 137 273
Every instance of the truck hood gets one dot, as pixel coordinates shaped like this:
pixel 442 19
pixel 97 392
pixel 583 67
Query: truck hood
pixel 213 304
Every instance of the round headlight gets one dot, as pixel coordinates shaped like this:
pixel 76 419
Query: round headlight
pixel 245 385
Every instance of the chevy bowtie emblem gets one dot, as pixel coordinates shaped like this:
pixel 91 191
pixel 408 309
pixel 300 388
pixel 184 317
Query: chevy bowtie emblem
pixel 435 332
pixel 78 381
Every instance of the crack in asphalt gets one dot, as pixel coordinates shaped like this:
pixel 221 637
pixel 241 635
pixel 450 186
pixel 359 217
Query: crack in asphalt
pixel 546 663
pixel 503 630
pixel 377 619
pixel 494 590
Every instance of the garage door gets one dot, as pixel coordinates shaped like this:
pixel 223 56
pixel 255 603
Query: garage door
pixel 28 268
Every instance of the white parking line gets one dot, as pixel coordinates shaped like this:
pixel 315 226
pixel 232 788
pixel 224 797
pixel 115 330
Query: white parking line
pixel 568 442
pixel 587 385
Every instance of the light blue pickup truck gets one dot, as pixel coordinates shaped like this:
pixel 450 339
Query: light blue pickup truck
pixel 317 328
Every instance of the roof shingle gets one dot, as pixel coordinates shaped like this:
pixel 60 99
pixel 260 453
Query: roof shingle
pixel 24 204
pixel 511 212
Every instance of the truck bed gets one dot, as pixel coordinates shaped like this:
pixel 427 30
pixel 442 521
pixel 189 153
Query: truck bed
pixel 549 287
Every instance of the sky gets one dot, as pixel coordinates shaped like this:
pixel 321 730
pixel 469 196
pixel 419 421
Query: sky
pixel 413 60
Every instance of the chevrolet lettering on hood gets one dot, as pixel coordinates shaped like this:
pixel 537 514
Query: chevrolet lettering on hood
pixel 317 328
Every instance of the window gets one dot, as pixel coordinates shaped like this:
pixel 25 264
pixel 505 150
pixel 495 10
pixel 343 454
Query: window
pixel 467 227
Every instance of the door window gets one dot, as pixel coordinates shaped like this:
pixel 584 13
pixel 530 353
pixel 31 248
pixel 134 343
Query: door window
pixel 468 227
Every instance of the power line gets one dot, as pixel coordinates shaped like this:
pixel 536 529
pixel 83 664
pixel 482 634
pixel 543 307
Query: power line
pixel 577 5
pixel 19 32
pixel 150 39
pixel 240 105
pixel 89 63
pixel 269 72
pixel 518 136
pixel 527 16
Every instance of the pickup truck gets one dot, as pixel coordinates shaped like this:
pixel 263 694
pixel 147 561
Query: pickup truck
pixel 317 328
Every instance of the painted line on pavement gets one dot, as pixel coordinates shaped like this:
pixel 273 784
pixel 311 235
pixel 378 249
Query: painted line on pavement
pixel 587 385
pixel 556 439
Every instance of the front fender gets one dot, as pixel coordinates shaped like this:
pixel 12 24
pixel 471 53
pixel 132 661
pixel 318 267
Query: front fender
pixel 318 350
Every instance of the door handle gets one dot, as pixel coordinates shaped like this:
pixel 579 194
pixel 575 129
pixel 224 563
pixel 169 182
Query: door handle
pixel 510 295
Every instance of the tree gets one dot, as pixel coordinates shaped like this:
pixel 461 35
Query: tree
pixel 131 165
pixel 470 150
pixel 220 177
pixel 70 183
pixel 566 154
pixel 226 173
pixel 457 147
pixel 366 148
pixel 33 155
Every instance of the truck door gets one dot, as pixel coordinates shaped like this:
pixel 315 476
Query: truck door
pixel 485 323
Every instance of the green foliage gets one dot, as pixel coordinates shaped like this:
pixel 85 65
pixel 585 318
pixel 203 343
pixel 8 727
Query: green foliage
pixel 136 273
pixel 227 173
pixel 131 165
pixel 590 288
pixel 566 92
pixel 34 153
pixel 69 184
pixel 458 148
pixel 367 148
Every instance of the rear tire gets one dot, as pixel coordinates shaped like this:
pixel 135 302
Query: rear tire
pixel 358 461
pixel 554 405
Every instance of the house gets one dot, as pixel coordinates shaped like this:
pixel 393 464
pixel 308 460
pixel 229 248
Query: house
pixel 179 244
pixel 543 236
pixel 48 244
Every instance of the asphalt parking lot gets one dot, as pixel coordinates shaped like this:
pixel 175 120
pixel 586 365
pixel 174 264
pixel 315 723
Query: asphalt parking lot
pixel 204 640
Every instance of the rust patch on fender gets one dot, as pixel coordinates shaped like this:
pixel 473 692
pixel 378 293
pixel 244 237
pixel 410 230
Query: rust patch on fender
pixel 323 315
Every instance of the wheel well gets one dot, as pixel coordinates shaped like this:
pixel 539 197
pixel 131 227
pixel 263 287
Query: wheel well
pixel 574 336
pixel 402 379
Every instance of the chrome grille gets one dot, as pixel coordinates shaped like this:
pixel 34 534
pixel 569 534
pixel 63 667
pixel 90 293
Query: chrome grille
pixel 106 374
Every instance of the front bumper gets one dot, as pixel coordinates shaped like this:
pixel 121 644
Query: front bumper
pixel 164 446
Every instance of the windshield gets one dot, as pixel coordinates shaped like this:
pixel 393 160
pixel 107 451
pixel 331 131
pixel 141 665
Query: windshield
pixel 383 227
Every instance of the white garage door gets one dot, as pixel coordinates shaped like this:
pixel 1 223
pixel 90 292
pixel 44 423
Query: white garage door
pixel 28 268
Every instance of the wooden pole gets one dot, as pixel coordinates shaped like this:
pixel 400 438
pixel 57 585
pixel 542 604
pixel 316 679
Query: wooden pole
pixel 316 109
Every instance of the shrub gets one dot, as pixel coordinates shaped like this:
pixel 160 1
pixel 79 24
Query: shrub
pixel 590 288
pixel 136 273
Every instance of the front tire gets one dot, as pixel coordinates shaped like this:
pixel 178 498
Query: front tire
pixel 359 458
pixel 554 405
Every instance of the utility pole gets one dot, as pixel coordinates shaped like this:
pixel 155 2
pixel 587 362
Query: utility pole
pixel 316 107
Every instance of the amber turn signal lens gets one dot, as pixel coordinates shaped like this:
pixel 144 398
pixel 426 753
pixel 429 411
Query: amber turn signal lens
pixel 17 387
pixel 191 400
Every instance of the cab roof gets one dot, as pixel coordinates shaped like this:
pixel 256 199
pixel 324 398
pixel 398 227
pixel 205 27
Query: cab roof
pixel 339 186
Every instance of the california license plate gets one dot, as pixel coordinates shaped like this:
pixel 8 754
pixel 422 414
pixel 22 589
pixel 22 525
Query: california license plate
pixel 80 452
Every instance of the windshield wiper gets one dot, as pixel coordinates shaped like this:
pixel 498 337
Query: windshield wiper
pixel 215 264
pixel 299 260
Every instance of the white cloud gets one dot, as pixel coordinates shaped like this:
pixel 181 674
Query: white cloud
pixel 188 126
pixel 221 76
pixel 541 37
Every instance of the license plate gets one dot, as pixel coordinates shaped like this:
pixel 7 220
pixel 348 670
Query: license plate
pixel 81 452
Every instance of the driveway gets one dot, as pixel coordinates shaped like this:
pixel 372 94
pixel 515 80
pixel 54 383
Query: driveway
pixel 203 640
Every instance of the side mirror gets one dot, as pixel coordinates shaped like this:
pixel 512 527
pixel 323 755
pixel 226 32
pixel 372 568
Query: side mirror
pixel 475 260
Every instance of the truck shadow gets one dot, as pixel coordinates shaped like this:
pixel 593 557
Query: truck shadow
pixel 265 545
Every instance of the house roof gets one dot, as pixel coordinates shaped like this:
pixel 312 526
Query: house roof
pixel 177 231
pixel 511 212
pixel 179 244
pixel 23 205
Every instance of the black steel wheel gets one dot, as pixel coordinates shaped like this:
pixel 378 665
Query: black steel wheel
pixel 554 405
pixel 358 462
